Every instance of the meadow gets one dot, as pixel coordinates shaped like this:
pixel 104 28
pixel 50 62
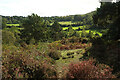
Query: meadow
pixel 66 22
pixel 75 28
pixel 13 25
pixel 87 31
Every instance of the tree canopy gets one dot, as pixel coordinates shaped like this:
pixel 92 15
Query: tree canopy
pixel 108 16
pixel 34 28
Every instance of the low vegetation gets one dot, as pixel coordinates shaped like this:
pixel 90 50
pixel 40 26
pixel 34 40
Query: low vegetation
pixel 87 70
pixel 27 63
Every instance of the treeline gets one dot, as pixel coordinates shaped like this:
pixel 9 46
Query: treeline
pixel 85 19
pixel 79 20
pixel 11 20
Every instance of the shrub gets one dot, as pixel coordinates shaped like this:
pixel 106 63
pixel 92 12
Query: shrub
pixel 73 39
pixel 26 63
pixel 55 45
pixel 64 47
pixel 87 69
pixel 8 37
pixel 54 54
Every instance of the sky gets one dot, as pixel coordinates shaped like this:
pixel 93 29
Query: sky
pixel 47 7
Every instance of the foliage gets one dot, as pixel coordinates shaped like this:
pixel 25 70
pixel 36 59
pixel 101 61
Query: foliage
pixel 56 27
pixel 71 32
pixel 108 16
pixel 87 70
pixel 4 21
pixel 8 37
pixel 98 48
pixel 13 19
pixel 33 25
pixel 70 43
pixel 26 63
pixel 56 32
pixel 106 53
pixel 54 54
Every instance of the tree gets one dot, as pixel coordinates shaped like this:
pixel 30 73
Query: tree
pixel 70 29
pixel 34 28
pixel 108 16
pixel 56 27
pixel 83 34
pixel 8 37
pixel 71 32
pixel 56 31
pixel 4 22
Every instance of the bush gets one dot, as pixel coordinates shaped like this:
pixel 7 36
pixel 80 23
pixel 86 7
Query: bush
pixel 8 37
pixel 54 54
pixel 87 69
pixel 73 39
pixel 107 53
pixel 27 63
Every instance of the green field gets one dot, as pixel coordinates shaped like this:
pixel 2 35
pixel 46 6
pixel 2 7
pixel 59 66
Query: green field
pixel 93 31
pixel 66 23
pixel 87 31
pixel 64 28
pixel 12 24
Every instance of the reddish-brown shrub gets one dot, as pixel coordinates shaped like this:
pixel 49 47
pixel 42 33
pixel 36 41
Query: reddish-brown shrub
pixel 68 44
pixel 87 69
pixel 26 63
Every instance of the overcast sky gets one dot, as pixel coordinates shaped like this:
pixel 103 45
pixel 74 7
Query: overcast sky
pixel 47 7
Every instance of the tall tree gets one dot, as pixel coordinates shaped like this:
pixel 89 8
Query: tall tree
pixel 108 16
pixel 56 31
pixel 4 22
pixel 34 28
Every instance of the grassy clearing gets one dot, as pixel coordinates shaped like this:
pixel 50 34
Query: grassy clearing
pixel 75 28
pixel 87 31
pixel 12 24
pixel 66 23
pixel 61 63
pixel 93 31
pixel 64 28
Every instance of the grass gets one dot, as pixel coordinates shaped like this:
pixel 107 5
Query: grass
pixel 64 28
pixel 64 52
pixel 65 62
pixel 66 23
pixel 12 24
pixel 93 31
pixel 87 31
